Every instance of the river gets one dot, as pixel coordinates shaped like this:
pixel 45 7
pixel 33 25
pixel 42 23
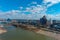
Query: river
pixel 21 34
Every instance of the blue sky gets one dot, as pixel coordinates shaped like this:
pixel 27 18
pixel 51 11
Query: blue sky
pixel 14 4
pixel 29 9
pixel 54 9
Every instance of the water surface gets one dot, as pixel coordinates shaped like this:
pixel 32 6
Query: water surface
pixel 21 34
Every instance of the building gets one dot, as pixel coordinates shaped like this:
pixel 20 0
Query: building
pixel 56 21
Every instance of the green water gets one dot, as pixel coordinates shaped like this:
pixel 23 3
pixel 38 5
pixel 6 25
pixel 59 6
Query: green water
pixel 21 34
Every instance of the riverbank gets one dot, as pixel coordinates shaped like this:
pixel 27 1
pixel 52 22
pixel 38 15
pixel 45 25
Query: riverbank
pixel 22 34
pixel 38 31
pixel 50 34
pixel 43 32
pixel 2 31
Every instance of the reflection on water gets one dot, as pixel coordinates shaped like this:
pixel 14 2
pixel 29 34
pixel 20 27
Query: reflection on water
pixel 21 34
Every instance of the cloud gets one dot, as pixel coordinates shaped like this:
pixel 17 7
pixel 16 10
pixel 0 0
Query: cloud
pixel 34 2
pixel 53 16
pixel 52 2
pixel 9 14
pixel 21 7
pixel 31 12
pixel 35 12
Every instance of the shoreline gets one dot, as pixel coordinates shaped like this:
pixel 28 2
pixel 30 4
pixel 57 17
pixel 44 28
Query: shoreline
pixel 38 31
pixel 43 32
pixel 2 30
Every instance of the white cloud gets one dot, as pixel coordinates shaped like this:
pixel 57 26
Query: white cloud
pixel 53 16
pixel 21 7
pixel 36 12
pixel 34 2
pixel 52 2
pixel 9 14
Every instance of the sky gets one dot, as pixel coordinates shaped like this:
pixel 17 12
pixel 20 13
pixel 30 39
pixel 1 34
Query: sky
pixel 29 9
